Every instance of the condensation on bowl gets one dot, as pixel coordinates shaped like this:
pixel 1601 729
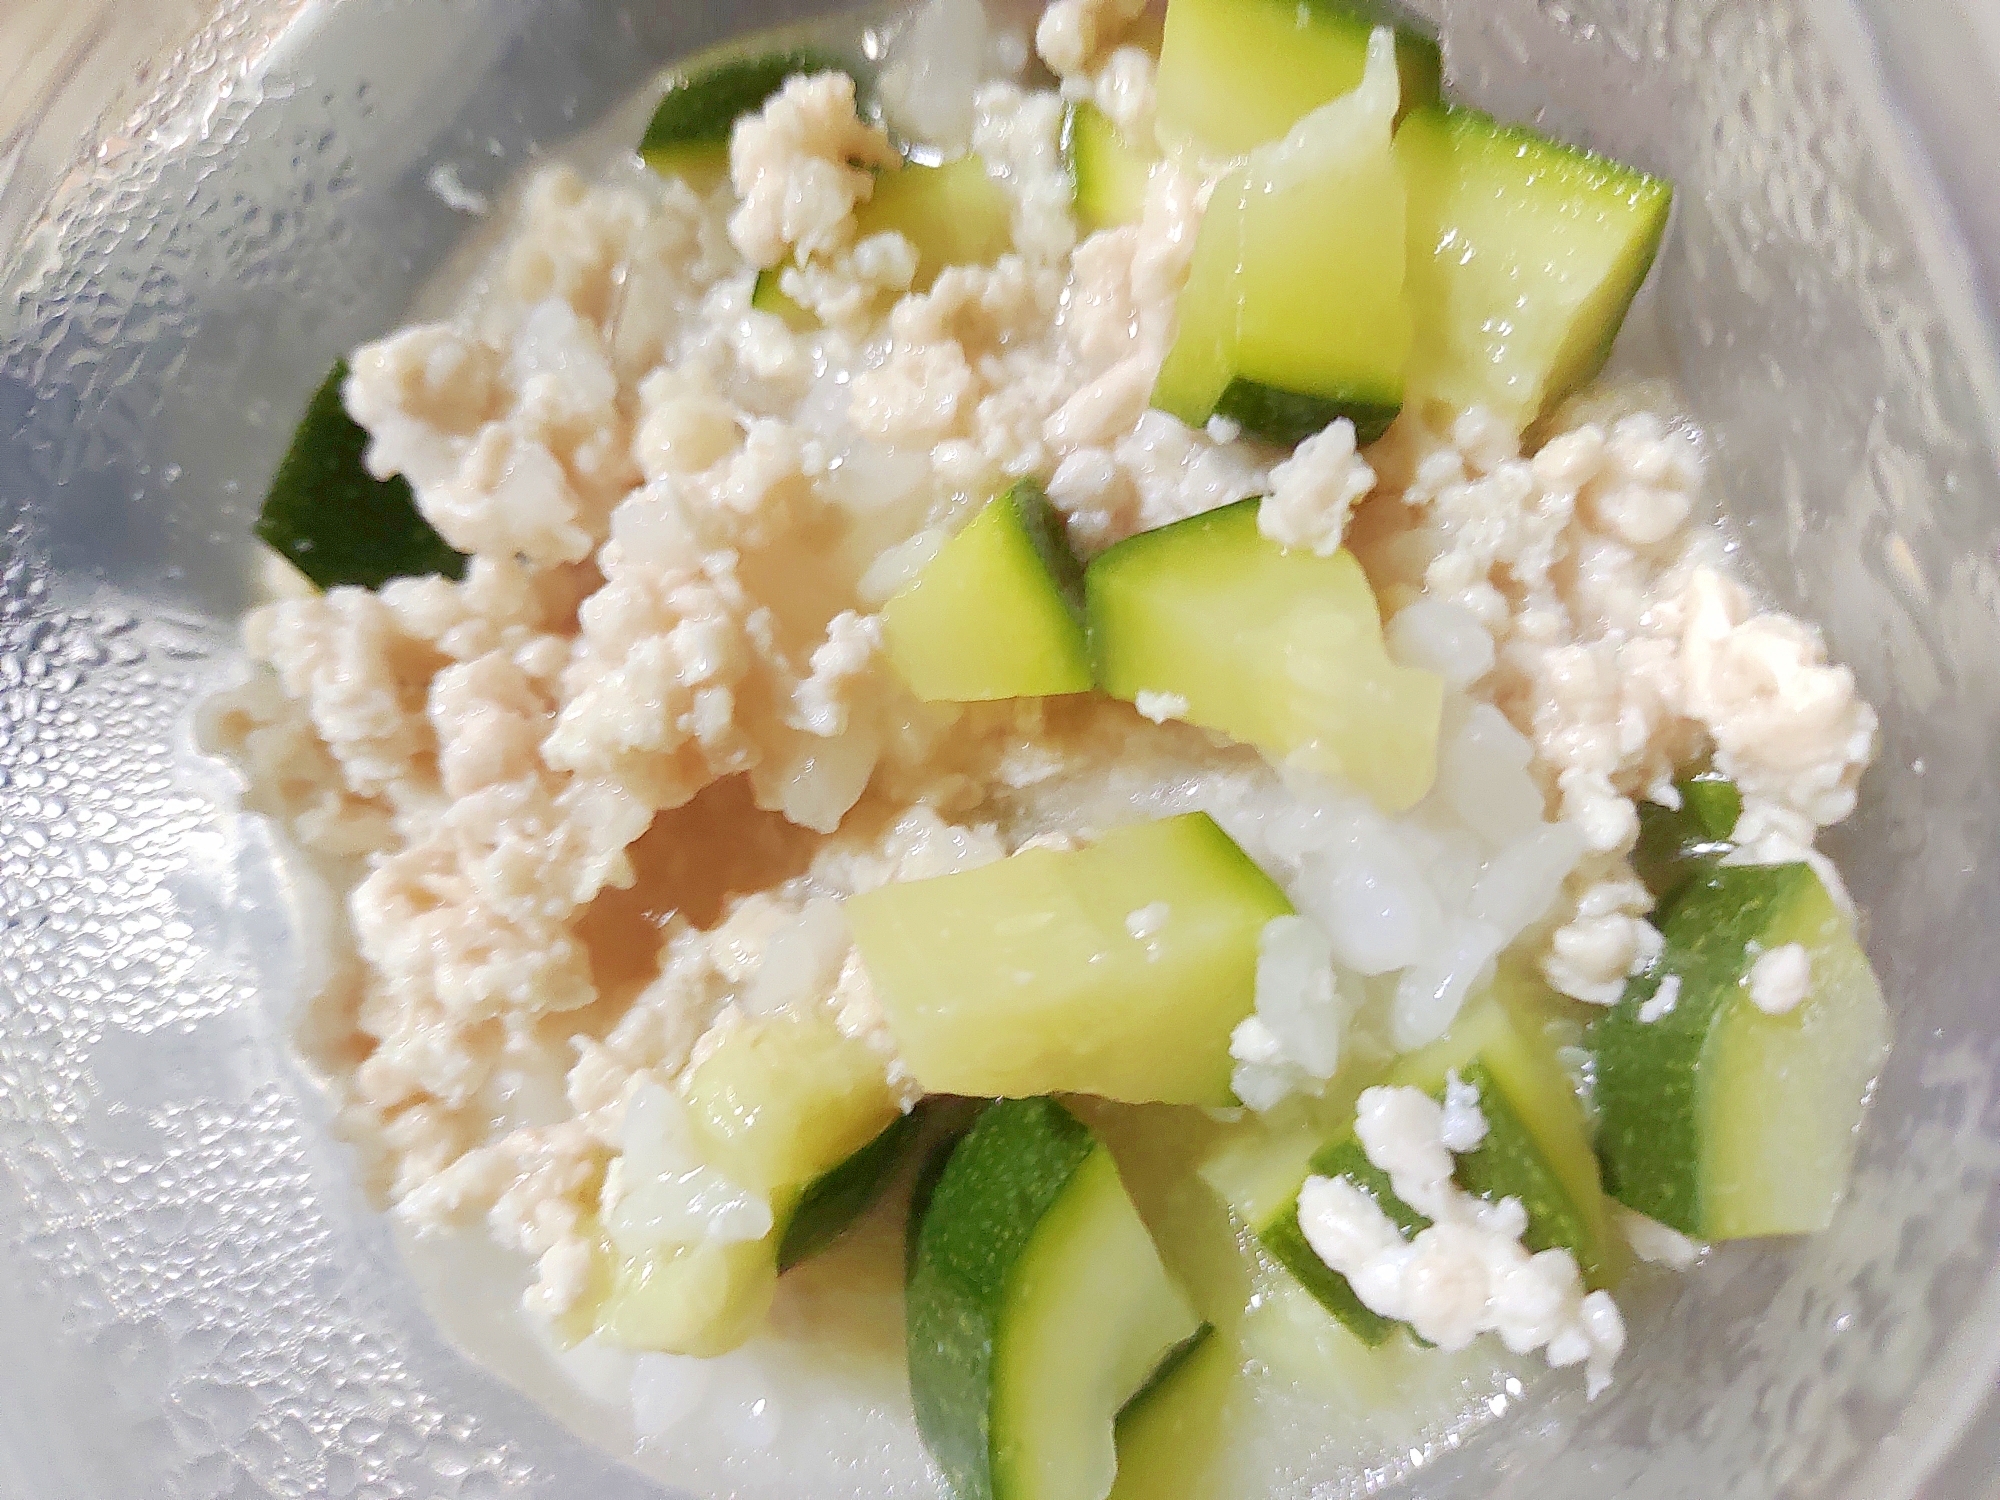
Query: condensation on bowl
pixel 201 1301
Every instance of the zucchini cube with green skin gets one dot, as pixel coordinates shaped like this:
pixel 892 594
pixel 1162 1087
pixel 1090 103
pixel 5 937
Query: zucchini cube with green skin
pixel 1286 1241
pixel 1277 647
pixel 954 214
pixel 1294 311
pixel 1537 1149
pixel 708 1298
pixel 1680 845
pixel 1107 176
pixel 783 1099
pixel 998 613
pixel 1037 1307
pixel 1119 969
pixel 688 136
pixel 829 1205
pixel 789 1107
pixel 1176 1421
pixel 1716 1118
pixel 1525 256
pixel 1712 801
pixel 785 1107
pixel 1235 74
pixel 336 522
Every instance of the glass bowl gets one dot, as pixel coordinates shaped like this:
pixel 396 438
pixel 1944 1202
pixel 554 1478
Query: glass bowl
pixel 202 206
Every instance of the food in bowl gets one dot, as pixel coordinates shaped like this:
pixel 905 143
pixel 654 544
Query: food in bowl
pixel 1092 666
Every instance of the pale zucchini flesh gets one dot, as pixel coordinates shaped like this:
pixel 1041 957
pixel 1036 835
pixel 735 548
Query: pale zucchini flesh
pixel 782 1099
pixel 998 613
pixel 1235 74
pixel 1038 974
pixel 1090 1285
pixel 1177 1421
pixel 1107 176
pixel 1277 647
pixel 1294 312
pixel 789 1109
pixel 954 214
pixel 701 1300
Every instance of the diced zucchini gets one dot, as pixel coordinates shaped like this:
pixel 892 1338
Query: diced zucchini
pixel 1158 1149
pixel 1107 175
pixel 703 1299
pixel 1713 801
pixel 1037 1307
pixel 1294 311
pixel 1119 969
pixel 689 133
pixel 785 1107
pixel 1277 647
pixel 333 520
pixel 767 294
pixel 1537 1149
pixel 1178 1417
pixel 929 1174
pixel 1679 845
pixel 955 215
pixel 1715 1117
pixel 1566 1210
pixel 1224 1424
pixel 1164 1372
pixel 1553 1171
pixel 1237 73
pixel 1306 1370
pixel 1283 1237
pixel 1547 1018
pixel 999 611
pixel 1524 257
pixel 1256 1167
pixel 781 1100
pixel 831 1202
pixel 706 1299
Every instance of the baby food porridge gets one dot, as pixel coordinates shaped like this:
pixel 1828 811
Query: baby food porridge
pixel 1049 580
